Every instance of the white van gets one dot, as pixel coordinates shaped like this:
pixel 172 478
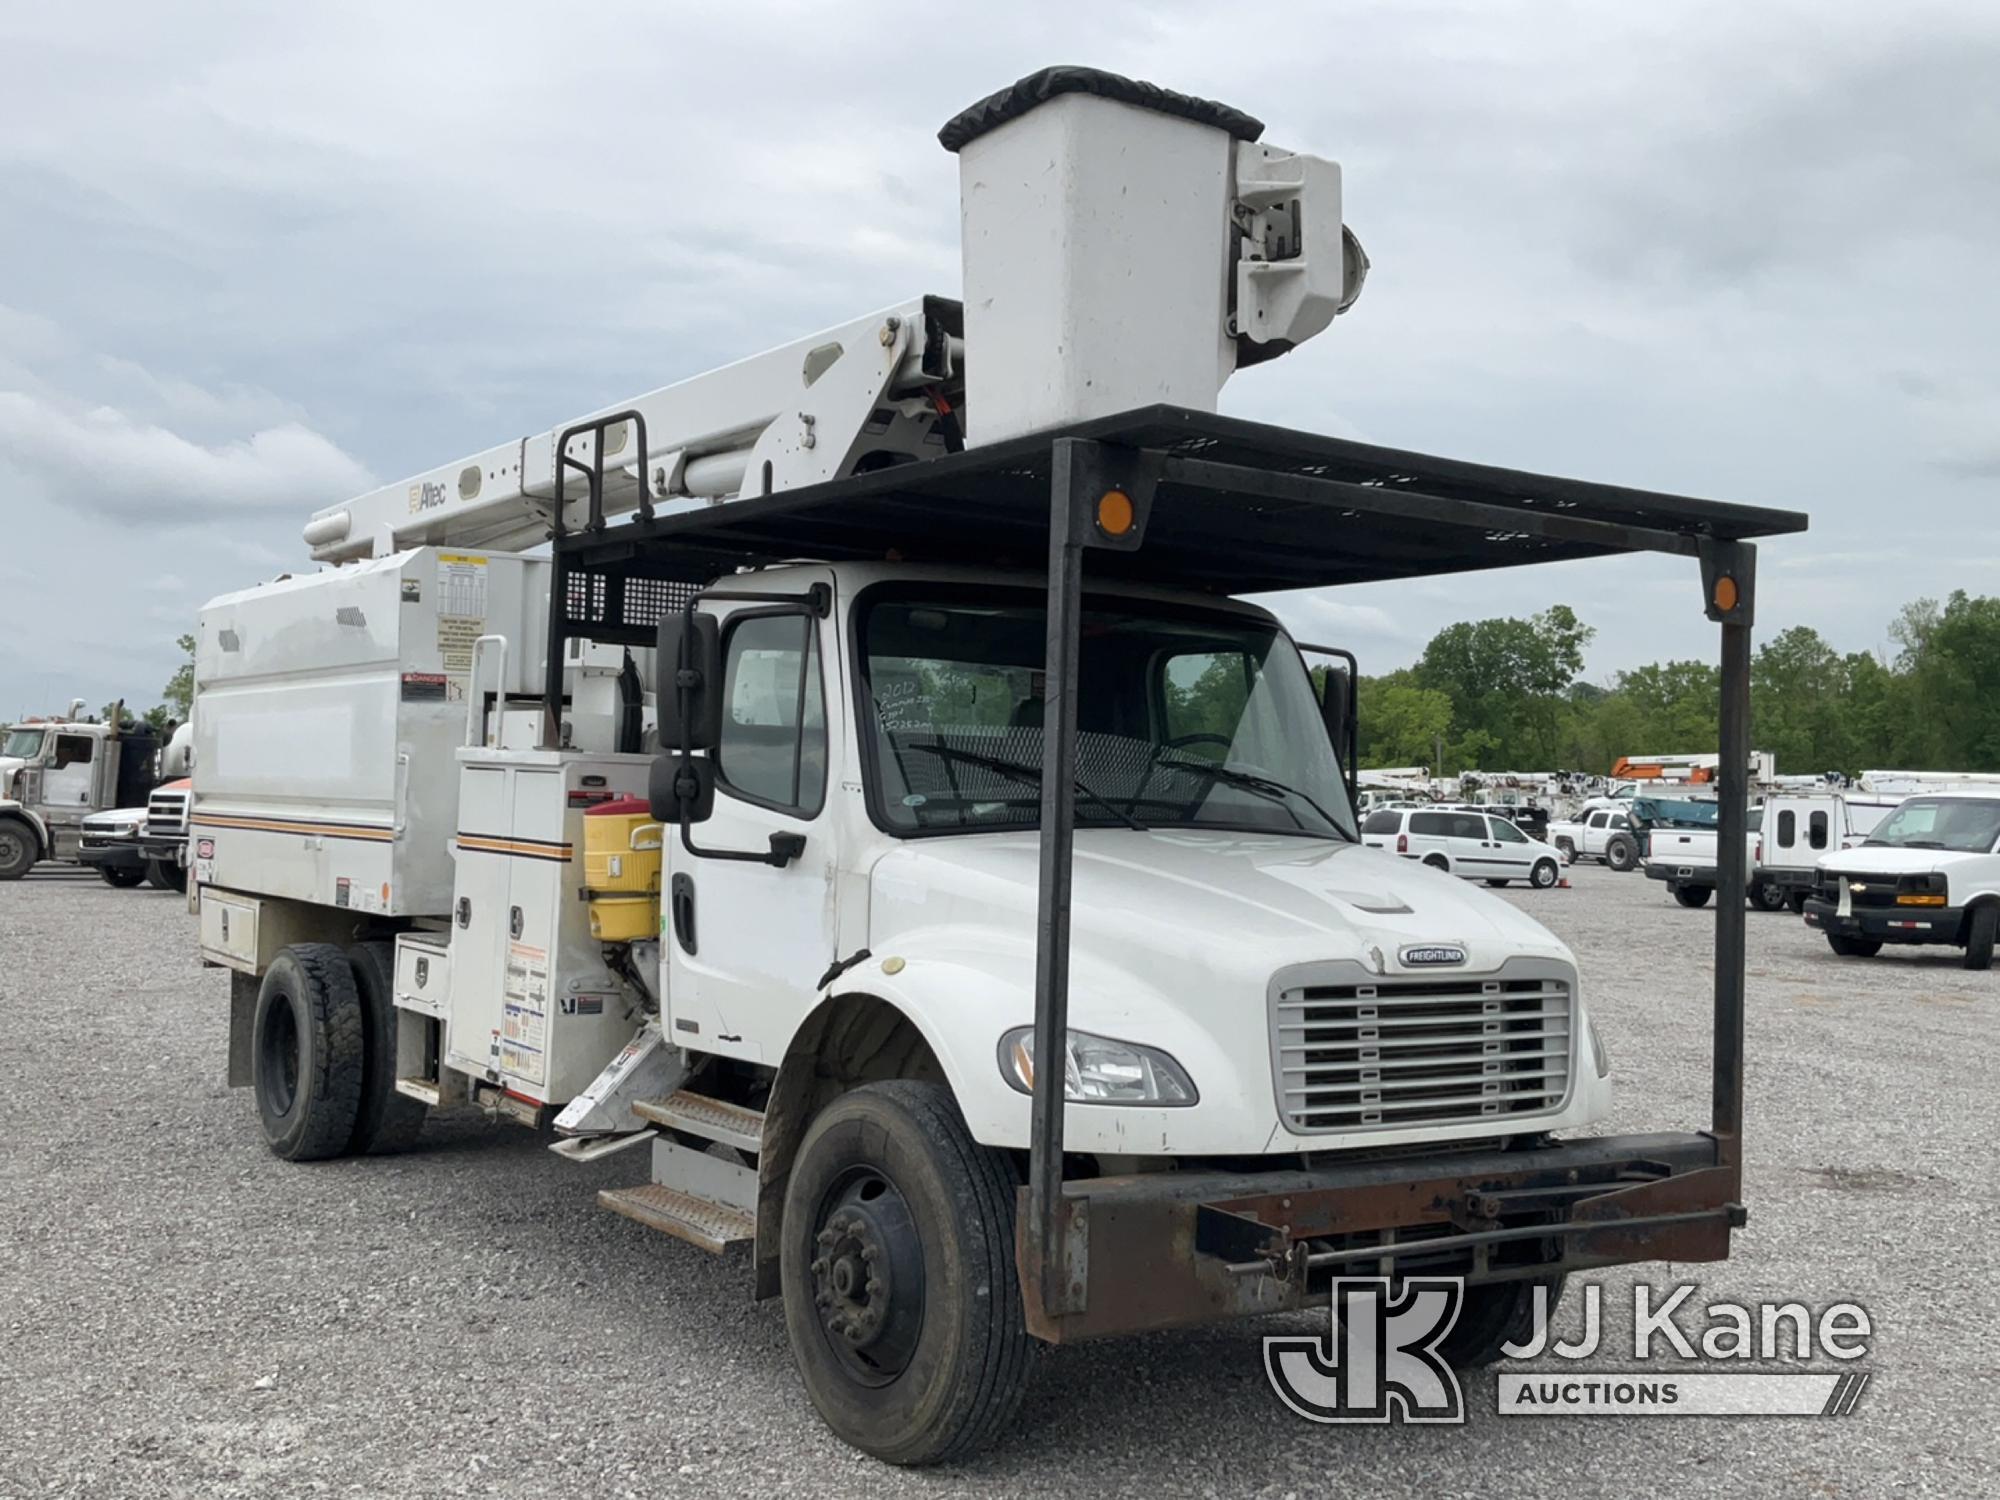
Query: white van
pixel 1472 845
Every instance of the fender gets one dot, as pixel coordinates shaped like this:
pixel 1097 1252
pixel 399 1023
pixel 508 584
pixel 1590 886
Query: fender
pixel 12 809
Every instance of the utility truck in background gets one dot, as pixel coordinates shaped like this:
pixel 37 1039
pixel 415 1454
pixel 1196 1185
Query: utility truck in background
pixel 878 813
pixel 55 773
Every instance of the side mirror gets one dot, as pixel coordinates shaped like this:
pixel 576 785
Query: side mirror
pixel 690 696
pixel 681 790
pixel 1336 709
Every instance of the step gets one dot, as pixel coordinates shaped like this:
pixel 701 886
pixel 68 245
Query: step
pixel 713 1226
pixel 711 1119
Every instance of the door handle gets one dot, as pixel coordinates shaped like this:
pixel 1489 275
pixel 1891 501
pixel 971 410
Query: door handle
pixel 682 902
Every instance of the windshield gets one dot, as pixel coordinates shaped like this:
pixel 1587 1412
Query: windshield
pixel 1966 825
pixel 23 744
pixel 1183 720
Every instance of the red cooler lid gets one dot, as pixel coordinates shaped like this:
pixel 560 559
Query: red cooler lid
pixel 620 807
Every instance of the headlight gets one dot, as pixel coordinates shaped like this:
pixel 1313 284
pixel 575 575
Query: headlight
pixel 1599 1054
pixel 1098 1070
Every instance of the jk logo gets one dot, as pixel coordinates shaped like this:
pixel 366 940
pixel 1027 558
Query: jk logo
pixel 1379 1360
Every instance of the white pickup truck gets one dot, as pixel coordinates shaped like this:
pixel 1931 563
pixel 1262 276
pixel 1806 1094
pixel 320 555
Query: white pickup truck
pixel 1930 873
pixel 1601 833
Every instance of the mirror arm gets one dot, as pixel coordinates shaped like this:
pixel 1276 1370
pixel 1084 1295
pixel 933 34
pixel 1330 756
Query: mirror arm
pixel 785 847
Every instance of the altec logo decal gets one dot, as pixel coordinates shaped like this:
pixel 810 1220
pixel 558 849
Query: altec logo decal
pixel 1432 955
pixel 426 496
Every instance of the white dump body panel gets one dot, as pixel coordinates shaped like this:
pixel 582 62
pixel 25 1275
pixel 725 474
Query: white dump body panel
pixel 330 708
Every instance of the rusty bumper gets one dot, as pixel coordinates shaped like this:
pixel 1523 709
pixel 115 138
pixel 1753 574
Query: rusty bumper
pixel 1172 1249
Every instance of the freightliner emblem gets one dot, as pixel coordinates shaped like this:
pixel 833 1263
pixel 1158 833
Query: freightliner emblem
pixel 1431 955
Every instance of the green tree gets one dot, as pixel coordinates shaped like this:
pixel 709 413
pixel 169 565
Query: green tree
pixel 178 695
pixel 1508 681
pixel 1401 722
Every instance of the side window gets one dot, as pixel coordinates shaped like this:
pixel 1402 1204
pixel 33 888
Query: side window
pixel 773 745
pixel 73 750
pixel 1619 820
pixel 1386 821
pixel 1432 825
pixel 1468 826
pixel 1598 820
pixel 1507 833
pixel 1816 830
pixel 1207 693
pixel 1788 828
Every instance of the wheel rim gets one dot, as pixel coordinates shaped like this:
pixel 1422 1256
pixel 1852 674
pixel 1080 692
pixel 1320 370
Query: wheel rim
pixel 1545 875
pixel 868 1276
pixel 11 847
pixel 278 1070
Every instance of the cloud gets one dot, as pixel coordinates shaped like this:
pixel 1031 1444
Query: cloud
pixel 103 460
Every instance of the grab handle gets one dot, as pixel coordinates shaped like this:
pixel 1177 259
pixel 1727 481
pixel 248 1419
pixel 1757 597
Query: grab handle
pixel 472 734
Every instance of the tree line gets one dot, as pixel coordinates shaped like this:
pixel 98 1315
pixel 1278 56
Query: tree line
pixel 1509 694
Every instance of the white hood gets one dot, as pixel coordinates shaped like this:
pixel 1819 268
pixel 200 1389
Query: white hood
pixel 1888 859
pixel 1167 904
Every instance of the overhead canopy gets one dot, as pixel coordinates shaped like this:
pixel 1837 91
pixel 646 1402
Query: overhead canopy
pixel 1240 508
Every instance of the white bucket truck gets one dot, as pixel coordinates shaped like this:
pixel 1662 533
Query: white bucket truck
pixel 1011 969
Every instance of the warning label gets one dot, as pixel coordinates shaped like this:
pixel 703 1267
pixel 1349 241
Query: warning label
pixel 424 687
pixel 461 605
pixel 524 1023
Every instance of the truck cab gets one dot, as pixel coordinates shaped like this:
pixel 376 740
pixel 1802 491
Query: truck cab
pixel 1928 874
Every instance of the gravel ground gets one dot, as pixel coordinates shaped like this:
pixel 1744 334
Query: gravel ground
pixel 185 1315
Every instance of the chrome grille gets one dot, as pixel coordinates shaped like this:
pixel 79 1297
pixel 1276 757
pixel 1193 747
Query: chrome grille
pixel 1380 1054
pixel 166 812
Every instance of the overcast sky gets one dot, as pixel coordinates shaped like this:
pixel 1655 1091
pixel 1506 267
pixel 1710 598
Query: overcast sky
pixel 255 258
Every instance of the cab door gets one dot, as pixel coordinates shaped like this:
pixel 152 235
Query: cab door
pixel 1510 852
pixel 70 775
pixel 747 941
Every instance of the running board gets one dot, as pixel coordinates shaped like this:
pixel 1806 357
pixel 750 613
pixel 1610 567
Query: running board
pixel 712 1226
pixel 710 1119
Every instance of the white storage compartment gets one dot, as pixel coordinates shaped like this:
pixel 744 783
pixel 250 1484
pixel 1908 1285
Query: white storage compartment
pixel 330 707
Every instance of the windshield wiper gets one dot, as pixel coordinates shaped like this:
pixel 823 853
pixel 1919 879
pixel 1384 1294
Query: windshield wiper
pixel 1266 786
pixel 1030 774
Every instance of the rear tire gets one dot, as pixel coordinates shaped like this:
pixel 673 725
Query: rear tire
pixel 1502 1312
pixel 1853 947
pixel 1496 884
pixel 120 878
pixel 1567 848
pixel 1620 852
pixel 19 848
pixel 1768 895
pixel 1692 895
pixel 899 1225
pixel 1980 930
pixel 307 1052
pixel 1545 875
pixel 386 1120
pixel 1437 862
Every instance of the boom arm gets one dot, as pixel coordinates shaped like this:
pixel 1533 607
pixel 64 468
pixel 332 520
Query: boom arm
pixel 798 414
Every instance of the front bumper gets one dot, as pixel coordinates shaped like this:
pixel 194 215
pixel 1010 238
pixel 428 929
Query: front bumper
pixel 122 856
pixel 1171 1249
pixel 168 849
pixel 1887 924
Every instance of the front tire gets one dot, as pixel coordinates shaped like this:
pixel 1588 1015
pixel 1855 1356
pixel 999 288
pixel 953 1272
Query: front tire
pixel 1502 1312
pixel 1980 930
pixel 386 1121
pixel 165 875
pixel 1692 895
pixel 1853 947
pixel 1546 874
pixel 307 1052
pixel 119 878
pixel 19 848
pixel 1796 901
pixel 897 1263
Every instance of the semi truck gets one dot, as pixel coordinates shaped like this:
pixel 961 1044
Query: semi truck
pixel 57 772
pixel 850 787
